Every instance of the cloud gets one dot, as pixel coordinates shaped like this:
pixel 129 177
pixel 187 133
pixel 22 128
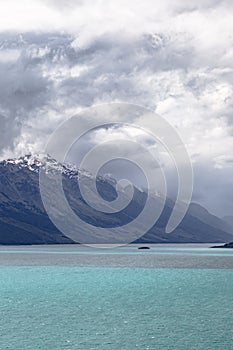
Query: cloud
pixel 176 58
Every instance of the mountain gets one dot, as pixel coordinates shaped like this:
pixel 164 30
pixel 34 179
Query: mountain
pixel 228 219
pixel 202 214
pixel 23 219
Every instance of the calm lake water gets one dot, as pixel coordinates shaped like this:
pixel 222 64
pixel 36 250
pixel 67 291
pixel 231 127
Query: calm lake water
pixel 72 297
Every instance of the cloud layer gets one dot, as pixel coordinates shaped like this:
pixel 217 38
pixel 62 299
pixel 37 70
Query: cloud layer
pixel 174 57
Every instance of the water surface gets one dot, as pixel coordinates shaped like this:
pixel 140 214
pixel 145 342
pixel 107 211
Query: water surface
pixel 71 297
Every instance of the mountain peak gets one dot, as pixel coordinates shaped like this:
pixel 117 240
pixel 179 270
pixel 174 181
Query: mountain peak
pixel 36 161
pixel 31 161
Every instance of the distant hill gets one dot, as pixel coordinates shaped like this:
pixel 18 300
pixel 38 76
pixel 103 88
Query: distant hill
pixel 23 219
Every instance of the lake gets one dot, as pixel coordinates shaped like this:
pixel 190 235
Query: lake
pixel 75 297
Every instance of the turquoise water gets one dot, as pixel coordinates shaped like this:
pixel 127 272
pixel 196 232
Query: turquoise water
pixel 98 307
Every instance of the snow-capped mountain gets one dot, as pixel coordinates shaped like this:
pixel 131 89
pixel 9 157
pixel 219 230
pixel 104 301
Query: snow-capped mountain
pixel 23 219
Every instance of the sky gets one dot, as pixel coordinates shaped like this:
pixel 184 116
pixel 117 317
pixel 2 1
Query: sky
pixel 173 56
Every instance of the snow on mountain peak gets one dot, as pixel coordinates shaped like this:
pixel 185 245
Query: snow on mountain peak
pixel 35 162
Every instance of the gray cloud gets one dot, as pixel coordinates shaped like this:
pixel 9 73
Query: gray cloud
pixel 172 58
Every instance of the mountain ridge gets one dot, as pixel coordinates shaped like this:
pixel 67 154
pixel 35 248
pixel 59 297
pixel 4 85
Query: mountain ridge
pixel 23 219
